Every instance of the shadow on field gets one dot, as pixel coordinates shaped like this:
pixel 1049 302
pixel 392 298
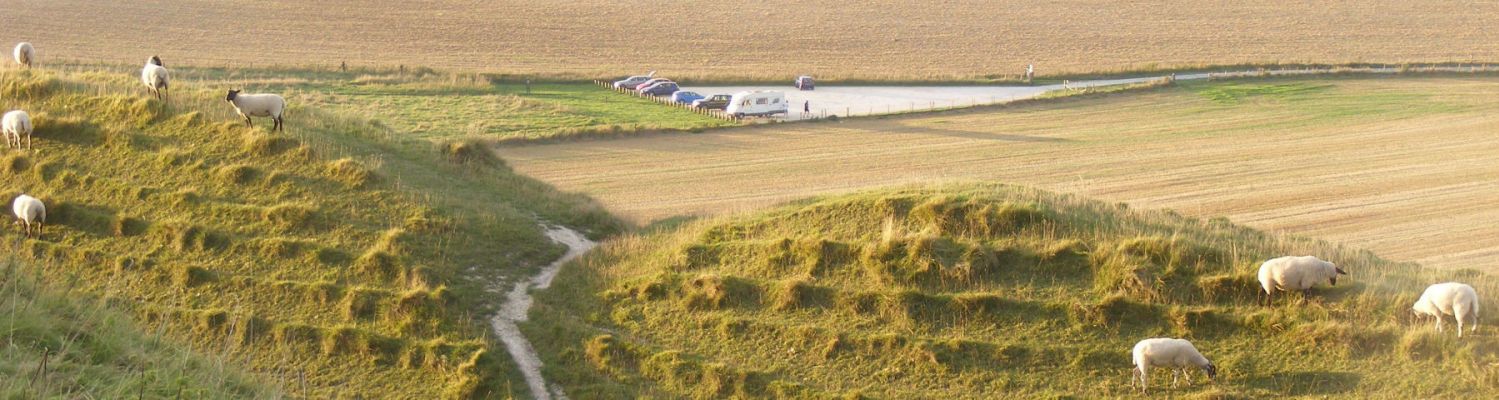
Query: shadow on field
pixel 1309 383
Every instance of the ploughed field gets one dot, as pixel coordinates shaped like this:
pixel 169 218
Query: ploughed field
pixel 1408 168
pixel 775 39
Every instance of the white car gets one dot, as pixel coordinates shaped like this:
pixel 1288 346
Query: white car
pixel 757 104
pixel 632 82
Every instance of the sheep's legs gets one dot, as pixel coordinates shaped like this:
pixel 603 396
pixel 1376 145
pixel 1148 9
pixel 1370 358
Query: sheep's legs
pixel 1187 372
pixel 248 123
pixel 1144 374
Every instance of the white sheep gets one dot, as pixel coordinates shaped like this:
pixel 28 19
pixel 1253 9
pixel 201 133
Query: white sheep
pixel 1296 273
pixel 1178 355
pixel 14 125
pixel 30 211
pixel 258 105
pixel 155 76
pixel 25 54
pixel 1455 299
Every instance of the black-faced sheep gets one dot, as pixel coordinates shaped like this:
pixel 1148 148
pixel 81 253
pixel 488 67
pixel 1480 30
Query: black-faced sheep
pixel 1296 273
pixel 1178 355
pixel 25 54
pixel 155 77
pixel 1453 299
pixel 258 105
pixel 14 125
pixel 30 212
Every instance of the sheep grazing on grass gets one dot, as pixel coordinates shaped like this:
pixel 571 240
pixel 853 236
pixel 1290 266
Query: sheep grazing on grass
pixel 154 75
pixel 31 212
pixel 258 105
pixel 1178 355
pixel 25 54
pixel 14 125
pixel 1450 299
pixel 1296 273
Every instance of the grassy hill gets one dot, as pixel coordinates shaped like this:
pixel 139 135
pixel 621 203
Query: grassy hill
pixel 421 103
pixel 58 343
pixel 336 260
pixel 984 292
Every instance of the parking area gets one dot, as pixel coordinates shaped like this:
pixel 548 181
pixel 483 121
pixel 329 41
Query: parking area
pixel 846 101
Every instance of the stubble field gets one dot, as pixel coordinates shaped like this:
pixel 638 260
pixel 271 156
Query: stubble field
pixel 1408 168
pixel 901 40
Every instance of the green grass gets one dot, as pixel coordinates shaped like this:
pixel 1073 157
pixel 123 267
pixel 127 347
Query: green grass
pixel 58 343
pixel 439 106
pixel 984 292
pixel 340 254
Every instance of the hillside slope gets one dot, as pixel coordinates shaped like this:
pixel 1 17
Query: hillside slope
pixel 58 343
pixel 985 292
pixel 333 259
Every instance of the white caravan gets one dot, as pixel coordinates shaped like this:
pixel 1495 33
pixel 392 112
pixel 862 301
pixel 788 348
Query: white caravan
pixel 757 103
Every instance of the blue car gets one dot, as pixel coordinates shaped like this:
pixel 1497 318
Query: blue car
pixel 685 97
pixel 660 89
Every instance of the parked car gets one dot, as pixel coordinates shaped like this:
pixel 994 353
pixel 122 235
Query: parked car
pixel 757 103
pixel 685 97
pixel 631 82
pixel 804 82
pixel 650 82
pixel 660 89
pixel 715 102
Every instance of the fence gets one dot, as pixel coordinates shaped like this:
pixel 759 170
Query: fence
pixel 667 101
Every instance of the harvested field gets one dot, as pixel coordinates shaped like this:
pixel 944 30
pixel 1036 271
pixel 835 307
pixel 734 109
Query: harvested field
pixel 1408 168
pixel 907 40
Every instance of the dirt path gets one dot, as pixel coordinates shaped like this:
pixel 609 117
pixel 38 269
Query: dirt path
pixel 1408 168
pixel 518 303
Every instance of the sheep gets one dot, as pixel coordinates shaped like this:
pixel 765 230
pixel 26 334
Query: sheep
pixel 25 54
pixel 1296 273
pixel 155 76
pixel 30 211
pixel 1176 354
pixel 258 105
pixel 1451 298
pixel 13 126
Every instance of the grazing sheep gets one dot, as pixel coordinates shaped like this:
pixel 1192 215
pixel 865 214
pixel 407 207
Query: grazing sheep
pixel 1296 273
pixel 1176 354
pixel 25 54
pixel 1451 298
pixel 14 125
pixel 30 211
pixel 258 105
pixel 155 76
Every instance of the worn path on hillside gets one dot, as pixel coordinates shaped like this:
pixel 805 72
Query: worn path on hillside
pixel 1406 167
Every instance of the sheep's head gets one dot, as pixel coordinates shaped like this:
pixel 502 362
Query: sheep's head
pixel 1333 280
pixel 155 60
pixel 232 94
pixel 1211 370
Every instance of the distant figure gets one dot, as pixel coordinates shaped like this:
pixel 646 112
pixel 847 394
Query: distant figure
pixel 807 106
pixel 1030 72
pixel 343 66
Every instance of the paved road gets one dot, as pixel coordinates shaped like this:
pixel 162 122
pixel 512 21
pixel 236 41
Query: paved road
pixel 874 100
